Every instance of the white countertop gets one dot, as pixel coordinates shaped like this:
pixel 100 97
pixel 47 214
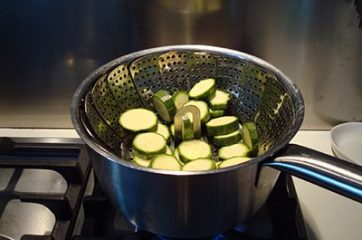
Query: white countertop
pixel 40 133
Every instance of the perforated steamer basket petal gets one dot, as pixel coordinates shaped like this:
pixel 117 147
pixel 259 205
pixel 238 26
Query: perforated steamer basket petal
pixel 259 92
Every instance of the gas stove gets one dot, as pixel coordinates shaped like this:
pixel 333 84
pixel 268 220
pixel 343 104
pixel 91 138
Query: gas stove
pixel 48 191
pixel 41 187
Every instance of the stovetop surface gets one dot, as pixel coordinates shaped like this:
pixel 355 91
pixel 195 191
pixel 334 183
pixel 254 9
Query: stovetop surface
pixel 42 185
pixel 48 191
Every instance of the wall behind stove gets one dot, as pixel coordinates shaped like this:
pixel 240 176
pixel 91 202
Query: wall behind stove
pixel 47 47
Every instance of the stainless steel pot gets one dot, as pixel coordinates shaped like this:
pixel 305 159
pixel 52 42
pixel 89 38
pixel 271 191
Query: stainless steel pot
pixel 198 204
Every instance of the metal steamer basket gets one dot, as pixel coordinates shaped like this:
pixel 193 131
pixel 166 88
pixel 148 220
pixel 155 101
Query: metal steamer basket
pixel 198 204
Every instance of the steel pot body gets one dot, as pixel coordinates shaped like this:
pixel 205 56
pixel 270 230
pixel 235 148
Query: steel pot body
pixel 184 206
pixel 198 204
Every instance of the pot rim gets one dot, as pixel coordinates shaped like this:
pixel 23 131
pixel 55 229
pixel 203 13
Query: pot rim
pixel 87 83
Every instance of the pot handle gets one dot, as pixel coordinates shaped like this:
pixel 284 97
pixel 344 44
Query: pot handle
pixel 321 169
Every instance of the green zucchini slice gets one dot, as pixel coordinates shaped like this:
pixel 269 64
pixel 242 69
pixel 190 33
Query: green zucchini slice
pixel 220 100
pixel 164 105
pixel 180 98
pixel 203 90
pixel 172 129
pixel 147 145
pixel 250 137
pixel 222 125
pixel 141 162
pixel 203 108
pixel 138 120
pixel 235 150
pixel 168 150
pixel 233 161
pixel 165 162
pixel 163 131
pixel 187 128
pixel 214 113
pixel 228 139
pixel 194 149
pixel 199 165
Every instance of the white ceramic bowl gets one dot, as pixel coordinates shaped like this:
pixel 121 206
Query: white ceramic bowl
pixel 346 141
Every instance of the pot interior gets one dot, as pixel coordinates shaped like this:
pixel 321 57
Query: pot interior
pixel 258 92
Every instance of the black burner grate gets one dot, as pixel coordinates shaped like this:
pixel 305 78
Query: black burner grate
pixel 69 160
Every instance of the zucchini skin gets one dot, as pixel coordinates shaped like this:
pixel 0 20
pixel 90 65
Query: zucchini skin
pixel 222 129
pixel 180 94
pixel 166 133
pixel 214 113
pixel 207 94
pixel 166 104
pixel 141 162
pixel 231 151
pixel 187 128
pixel 233 161
pixel 222 140
pixel 220 100
pixel 249 130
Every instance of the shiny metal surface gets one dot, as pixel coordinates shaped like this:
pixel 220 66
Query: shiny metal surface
pixel 182 206
pixel 318 44
pixel 213 22
pixel 66 40
pixel 20 218
pixel 259 92
pixel 149 198
pixel 5 176
pixel 41 181
pixel 334 174
pixel 47 48
pixel 178 122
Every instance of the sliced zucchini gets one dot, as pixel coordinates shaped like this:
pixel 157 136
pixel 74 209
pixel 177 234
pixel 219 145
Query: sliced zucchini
pixel 147 145
pixel 233 161
pixel 199 165
pixel 203 90
pixel 138 120
pixel 172 129
pixel 194 149
pixel 165 162
pixel 226 140
pixel 203 108
pixel 176 153
pixel 164 105
pixel 180 98
pixel 218 163
pixel 222 125
pixel 220 100
pixel 168 150
pixel 250 137
pixel 141 162
pixel 187 128
pixel 163 131
pixel 216 113
pixel 235 150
